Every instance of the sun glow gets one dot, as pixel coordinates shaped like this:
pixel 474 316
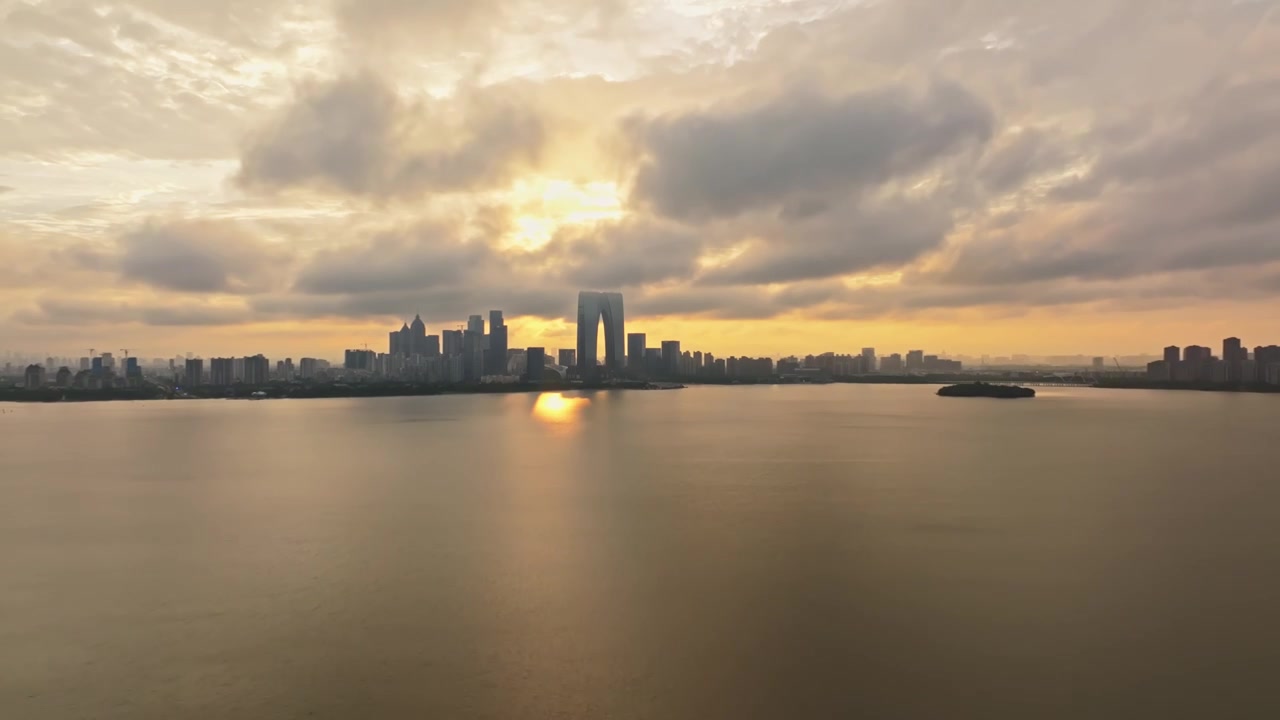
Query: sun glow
pixel 545 205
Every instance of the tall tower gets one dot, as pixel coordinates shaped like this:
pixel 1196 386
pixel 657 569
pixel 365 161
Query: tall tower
pixel 416 335
pixel 496 354
pixel 592 307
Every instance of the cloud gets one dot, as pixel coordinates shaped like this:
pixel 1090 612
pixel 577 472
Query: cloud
pixel 395 260
pixel 84 311
pixel 621 255
pixel 848 239
pixel 198 256
pixel 4 189
pixel 722 163
pixel 357 136
pixel 1196 192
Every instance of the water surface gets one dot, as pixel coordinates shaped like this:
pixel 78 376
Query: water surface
pixel 752 552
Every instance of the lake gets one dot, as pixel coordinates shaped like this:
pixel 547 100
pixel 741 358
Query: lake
pixel 714 552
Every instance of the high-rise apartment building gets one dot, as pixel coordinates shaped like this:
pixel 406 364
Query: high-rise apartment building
pixel 257 370
pixel 194 372
pixel 221 372
pixel 359 360
pixel 1234 355
pixel 567 358
pixel 915 360
pixel 307 368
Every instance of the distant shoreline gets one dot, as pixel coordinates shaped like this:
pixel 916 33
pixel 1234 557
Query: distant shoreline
pixel 303 392
pixel 370 390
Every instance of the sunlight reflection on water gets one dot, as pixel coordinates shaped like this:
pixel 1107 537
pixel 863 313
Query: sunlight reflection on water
pixel 556 408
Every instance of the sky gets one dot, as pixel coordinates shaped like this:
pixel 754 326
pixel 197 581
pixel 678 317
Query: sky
pixel 762 177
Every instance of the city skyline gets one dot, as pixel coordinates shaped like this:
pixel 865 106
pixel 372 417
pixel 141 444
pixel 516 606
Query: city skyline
pixel 476 353
pixel 289 177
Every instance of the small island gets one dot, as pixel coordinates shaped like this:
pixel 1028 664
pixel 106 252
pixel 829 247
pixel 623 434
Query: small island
pixel 987 390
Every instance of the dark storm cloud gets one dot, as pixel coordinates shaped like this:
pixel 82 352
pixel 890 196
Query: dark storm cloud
pixel 722 163
pixel 197 257
pixel 357 136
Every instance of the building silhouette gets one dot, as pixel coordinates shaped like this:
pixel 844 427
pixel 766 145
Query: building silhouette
pixel 592 308
pixel 417 337
pixel 359 360
pixel 452 340
pixel 257 370
pixel 535 364
pixel 221 372
pixel 635 353
pixel 496 353
pixel 33 377
pixel 671 358
pixel 194 372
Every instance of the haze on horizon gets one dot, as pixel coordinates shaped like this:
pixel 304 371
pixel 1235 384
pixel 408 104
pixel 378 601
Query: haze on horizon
pixel 764 177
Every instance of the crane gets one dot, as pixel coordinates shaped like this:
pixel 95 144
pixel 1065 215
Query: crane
pixel 1117 362
pixel 92 351
pixel 126 352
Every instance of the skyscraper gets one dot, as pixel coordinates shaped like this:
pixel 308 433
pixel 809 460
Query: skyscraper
pixel 496 354
pixel 592 307
pixel 868 360
pixel 452 342
pixel 915 360
pixel 567 358
pixel 475 324
pixel 1172 354
pixel 415 338
pixel 535 364
pixel 635 353
pixel 399 341
pixel 671 357
pixel 473 354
